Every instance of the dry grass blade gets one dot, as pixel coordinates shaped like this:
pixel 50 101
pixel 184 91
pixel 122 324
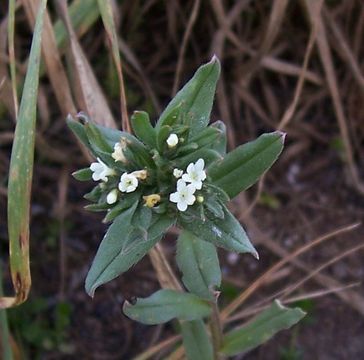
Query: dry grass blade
pixel 21 172
pixel 292 107
pixel 328 64
pixel 275 21
pixel 255 309
pixel 134 62
pixel 182 50
pixel 165 274
pixel 284 293
pixel 108 20
pixel 11 31
pixel 344 52
pixel 320 268
pixel 88 92
pixel 158 348
pixel 262 279
pixel 55 70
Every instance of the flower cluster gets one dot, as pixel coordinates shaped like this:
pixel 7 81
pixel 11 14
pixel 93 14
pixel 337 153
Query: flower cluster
pixel 188 184
pixel 128 181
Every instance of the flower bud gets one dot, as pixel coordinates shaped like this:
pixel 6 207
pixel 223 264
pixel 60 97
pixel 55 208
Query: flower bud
pixel 112 196
pixel 172 140
pixel 151 200
pixel 140 174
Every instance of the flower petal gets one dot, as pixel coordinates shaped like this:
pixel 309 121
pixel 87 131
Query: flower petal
pixel 200 164
pixel 174 197
pixel 182 205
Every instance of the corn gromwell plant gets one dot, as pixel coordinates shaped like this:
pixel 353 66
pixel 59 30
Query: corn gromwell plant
pixel 179 173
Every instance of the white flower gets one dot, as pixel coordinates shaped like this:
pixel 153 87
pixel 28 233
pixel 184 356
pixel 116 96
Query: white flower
pixel 118 153
pixel 112 196
pixel 172 140
pixel 177 173
pixel 128 183
pixel 195 174
pixel 184 195
pixel 100 171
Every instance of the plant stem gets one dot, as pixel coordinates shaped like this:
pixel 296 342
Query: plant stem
pixel 216 330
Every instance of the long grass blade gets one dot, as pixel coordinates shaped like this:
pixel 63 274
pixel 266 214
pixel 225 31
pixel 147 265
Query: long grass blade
pixel 108 20
pixel 11 31
pixel 20 174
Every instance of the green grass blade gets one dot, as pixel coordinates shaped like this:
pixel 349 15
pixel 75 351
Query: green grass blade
pixel 21 171
pixel 11 30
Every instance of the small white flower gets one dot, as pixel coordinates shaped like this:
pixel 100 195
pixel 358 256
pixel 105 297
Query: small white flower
pixel 128 183
pixel 101 171
pixel 195 174
pixel 112 196
pixel 177 173
pixel 172 140
pixel 183 196
pixel 118 153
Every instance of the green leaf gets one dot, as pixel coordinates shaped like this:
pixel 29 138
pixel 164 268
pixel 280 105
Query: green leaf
pixel 242 167
pixel 162 137
pixel 96 139
pixel 221 142
pixel 165 305
pixel 261 328
pixel 21 172
pixel 226 232
pixel 196 341
pixel 83 174
pixel 123 245
pixel 195 98
pixel 79 131
pixel 143 129
pixel 212 137
pixel 210 156
pixel 199 264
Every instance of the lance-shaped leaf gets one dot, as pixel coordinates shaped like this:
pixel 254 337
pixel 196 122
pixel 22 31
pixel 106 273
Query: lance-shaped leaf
pixel 195 98
pixel 123 245
pixel 143 129
pixel 199 264
pixel 165 305
pixel 225 232
pixel 242 167
pixel 21 172
pixel 196 341
pixel 276 318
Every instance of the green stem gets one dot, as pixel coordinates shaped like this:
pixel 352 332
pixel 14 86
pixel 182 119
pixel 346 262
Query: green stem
pixel 216 331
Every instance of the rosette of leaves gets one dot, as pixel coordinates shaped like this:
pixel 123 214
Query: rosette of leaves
pixel 161 155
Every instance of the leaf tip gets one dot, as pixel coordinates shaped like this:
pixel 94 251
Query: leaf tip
pixel 282 135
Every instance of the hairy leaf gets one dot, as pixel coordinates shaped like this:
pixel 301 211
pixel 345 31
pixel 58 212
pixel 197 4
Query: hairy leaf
pixel 123 245
pixel 199 264
pixel 276 318
pixel 143 129
pixel 165 305
pixel 226 232
pixel 195 98
pixel 196 341
pixel 242 167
